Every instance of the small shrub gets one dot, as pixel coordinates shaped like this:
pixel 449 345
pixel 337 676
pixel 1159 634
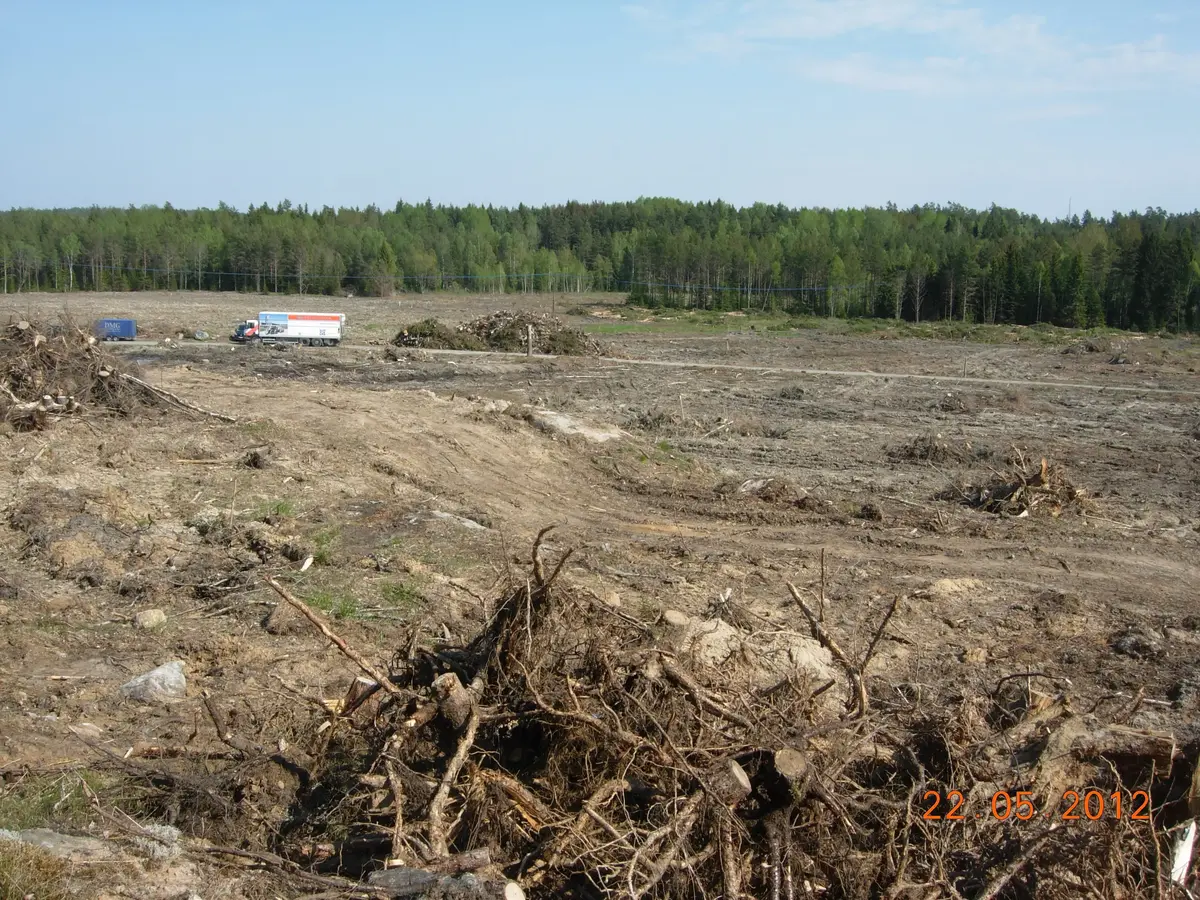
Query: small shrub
pixel 651 421
pixel 931 448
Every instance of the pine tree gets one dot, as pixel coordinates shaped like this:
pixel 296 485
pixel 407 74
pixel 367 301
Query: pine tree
pixel 1079 293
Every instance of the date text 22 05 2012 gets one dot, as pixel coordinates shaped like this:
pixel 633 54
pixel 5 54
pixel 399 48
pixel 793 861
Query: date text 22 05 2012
pixel 1022 806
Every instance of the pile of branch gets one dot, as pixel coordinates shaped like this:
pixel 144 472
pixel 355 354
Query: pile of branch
pixel 931 448
pixel 1026 489
pixel 567 750
pixel 49 372
pixel 506 330
pixel 430 334
pixel 503 331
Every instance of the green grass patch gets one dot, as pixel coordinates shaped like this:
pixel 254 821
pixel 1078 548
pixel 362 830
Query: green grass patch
pixel 403 596
pixel 277 509
pixel 325 544
pixel 49 625
pixel 262 429
pixel 49 801
pixel 663 453
pixel 706 322
pixel 338 604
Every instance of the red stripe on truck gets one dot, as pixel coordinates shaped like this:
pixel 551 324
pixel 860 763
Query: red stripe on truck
pixel 310 317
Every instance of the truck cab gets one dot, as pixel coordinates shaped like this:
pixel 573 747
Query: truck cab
pixel 245 331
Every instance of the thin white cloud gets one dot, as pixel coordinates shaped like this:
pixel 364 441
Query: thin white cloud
pixel 931 76
pixel 1056 112
pixel 1013 55
pixel 640 13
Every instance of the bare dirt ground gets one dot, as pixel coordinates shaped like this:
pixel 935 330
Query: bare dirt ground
pixel 414 481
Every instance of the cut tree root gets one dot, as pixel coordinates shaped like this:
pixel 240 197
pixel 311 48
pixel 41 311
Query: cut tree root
pixel 570 754
pixel 43 379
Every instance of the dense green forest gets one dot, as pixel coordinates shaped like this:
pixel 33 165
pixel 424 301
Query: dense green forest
pixel 1140 270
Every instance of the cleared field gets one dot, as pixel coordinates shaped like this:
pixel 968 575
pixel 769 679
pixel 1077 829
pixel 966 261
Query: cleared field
pixel 413 479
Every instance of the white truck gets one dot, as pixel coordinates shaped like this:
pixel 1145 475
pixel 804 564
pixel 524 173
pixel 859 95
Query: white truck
pixel 308 328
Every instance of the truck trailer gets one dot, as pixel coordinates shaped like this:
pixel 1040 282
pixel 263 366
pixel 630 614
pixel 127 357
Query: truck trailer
pixel 115 329
pixel 310 329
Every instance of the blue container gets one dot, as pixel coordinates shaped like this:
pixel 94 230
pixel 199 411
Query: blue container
pixel 116 329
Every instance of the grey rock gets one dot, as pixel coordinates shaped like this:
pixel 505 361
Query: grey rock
pixel 161 843
pixel 1137 643
pixel 149 619
pixel 676 619
pixel 1185 693
pixel 165 683
pixel 66 846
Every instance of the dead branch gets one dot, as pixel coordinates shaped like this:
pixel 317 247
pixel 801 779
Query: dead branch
pixel 826 640
pixel 1010 872
pixel 382 680
pixel 699 695
pixel 878 635
pixel 438 842
pixel 572 746
pixel 174 398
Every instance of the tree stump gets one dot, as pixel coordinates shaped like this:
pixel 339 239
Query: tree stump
pixel 455 702
pixel 729 782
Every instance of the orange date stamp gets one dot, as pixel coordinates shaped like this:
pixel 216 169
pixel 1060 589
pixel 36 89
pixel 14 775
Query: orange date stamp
pixel 1075 806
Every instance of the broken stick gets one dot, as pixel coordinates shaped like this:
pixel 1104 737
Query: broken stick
pixel 438 841
pixel 826 640
pixel 173 398
pixel 382 680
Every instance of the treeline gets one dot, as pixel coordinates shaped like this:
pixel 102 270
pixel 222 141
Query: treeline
pixel 1137 270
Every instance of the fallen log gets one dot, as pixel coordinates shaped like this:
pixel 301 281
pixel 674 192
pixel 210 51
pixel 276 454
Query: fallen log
pixel 403 881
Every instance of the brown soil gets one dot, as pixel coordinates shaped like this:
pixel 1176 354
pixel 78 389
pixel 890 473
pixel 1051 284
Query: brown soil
pixel 412 484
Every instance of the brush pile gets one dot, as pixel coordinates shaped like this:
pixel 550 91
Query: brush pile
pixel 932 448
pixel 1026 489
pixel 430 334
pixel 570 750
pixel 506 330
pixel 503 331
pixel 49 372
pixel 53 371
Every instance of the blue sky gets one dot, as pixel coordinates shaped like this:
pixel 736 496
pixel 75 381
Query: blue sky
pixel 805 102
